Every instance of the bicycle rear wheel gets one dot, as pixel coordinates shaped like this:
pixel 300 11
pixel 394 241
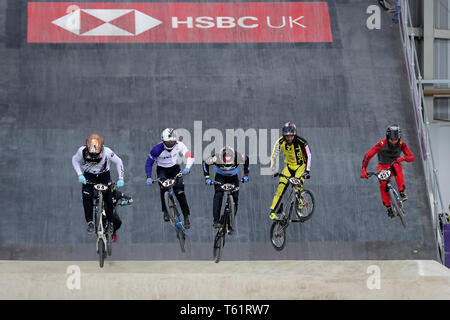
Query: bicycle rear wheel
pixel 278 235
pixel 219 242
pixel 306 202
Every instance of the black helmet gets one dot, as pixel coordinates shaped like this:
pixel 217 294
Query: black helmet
pixel 289 129
pixel 393 132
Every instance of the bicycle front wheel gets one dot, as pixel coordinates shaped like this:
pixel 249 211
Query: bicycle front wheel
pixel 219 242
pixel 396 203
pixel 182 239
pixel 278 235
pixel 170 206
pixel 232 214
pixel 101 252
pixel 304 205
pixel 401 215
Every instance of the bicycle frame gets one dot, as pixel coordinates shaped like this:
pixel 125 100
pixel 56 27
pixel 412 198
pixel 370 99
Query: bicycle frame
pixel 228 188
pixel 396 202
pixel 99 206
pixel 98 201
pixel 228 218
pixel 293 182
pixel 168 184
pixel 279 225
pixel 386 175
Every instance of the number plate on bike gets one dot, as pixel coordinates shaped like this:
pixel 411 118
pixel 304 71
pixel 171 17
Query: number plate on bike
pixel 295 181
pixel 168 183
pixel 384 174
pixel 228 187
pixel 101 187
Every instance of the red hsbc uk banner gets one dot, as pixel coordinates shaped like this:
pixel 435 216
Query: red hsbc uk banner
pixel 177 22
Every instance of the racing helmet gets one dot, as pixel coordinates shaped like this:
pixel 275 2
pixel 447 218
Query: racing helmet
pixel 393 132
pixel 227 156
pixel 169 138
pixel 289 129
pixel 94 147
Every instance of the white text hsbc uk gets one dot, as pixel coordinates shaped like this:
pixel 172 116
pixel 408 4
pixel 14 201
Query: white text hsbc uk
pixel 248 22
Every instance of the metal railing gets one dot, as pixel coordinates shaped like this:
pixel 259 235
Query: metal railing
pixel 416 84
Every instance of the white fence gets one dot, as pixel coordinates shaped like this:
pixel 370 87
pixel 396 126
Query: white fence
pixel 422 121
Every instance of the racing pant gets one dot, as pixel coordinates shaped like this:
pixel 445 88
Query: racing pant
pixel 398 173
pixel 218 194
pixel 178 188
pixel 289 171
pixel 88 195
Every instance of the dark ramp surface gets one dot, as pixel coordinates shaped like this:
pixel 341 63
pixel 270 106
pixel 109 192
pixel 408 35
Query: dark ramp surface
pixel 341 96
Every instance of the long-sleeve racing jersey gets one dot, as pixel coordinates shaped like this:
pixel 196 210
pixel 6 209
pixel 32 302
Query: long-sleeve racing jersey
pixel 226 169
pixel 295 154
pixel 388 153
pixel 166 159
pixel 82 164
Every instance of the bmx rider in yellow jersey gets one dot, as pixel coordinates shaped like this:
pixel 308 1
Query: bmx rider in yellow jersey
pixel 297 157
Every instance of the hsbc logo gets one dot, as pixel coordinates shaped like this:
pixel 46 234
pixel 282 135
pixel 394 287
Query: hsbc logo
pixel 123 22
pixel 179 22
pixel 106 22
pixel 248 22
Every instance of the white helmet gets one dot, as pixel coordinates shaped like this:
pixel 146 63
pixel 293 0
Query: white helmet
pixel 169 138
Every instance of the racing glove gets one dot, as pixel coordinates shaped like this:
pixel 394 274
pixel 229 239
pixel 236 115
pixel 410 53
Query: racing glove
pixel 82 179
pixel 307 175
pixel 364 174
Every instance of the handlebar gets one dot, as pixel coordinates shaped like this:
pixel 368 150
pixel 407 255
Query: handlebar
pixel 217 183
pixel 94 183
pixel 369 174
pixel 179 174
pixel 278 174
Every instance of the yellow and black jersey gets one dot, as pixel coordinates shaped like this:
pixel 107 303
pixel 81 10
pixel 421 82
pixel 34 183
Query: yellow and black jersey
pixel 295 154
